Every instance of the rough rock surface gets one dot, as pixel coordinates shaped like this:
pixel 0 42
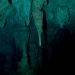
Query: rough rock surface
pixel 27 32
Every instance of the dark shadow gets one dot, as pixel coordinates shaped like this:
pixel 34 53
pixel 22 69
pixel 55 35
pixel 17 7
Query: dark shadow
pixel 10 1
pixel 44 27
pixel 63 50
pixel 17 55
pixel 2 63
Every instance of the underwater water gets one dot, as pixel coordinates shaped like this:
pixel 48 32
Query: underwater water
pixel 62 57
pixel 61 46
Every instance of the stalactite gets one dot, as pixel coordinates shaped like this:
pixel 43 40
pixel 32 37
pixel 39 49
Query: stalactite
pixel 38 16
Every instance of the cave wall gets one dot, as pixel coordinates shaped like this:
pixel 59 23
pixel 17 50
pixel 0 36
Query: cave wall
pixel 15 31
pixel 26 29
pixel 61 11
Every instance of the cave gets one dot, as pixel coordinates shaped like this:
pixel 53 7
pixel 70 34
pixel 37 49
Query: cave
pixel 37 37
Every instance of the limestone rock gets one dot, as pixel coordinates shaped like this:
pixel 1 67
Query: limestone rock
pixel 63 14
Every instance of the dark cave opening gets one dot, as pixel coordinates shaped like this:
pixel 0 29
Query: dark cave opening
pixel 63 49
